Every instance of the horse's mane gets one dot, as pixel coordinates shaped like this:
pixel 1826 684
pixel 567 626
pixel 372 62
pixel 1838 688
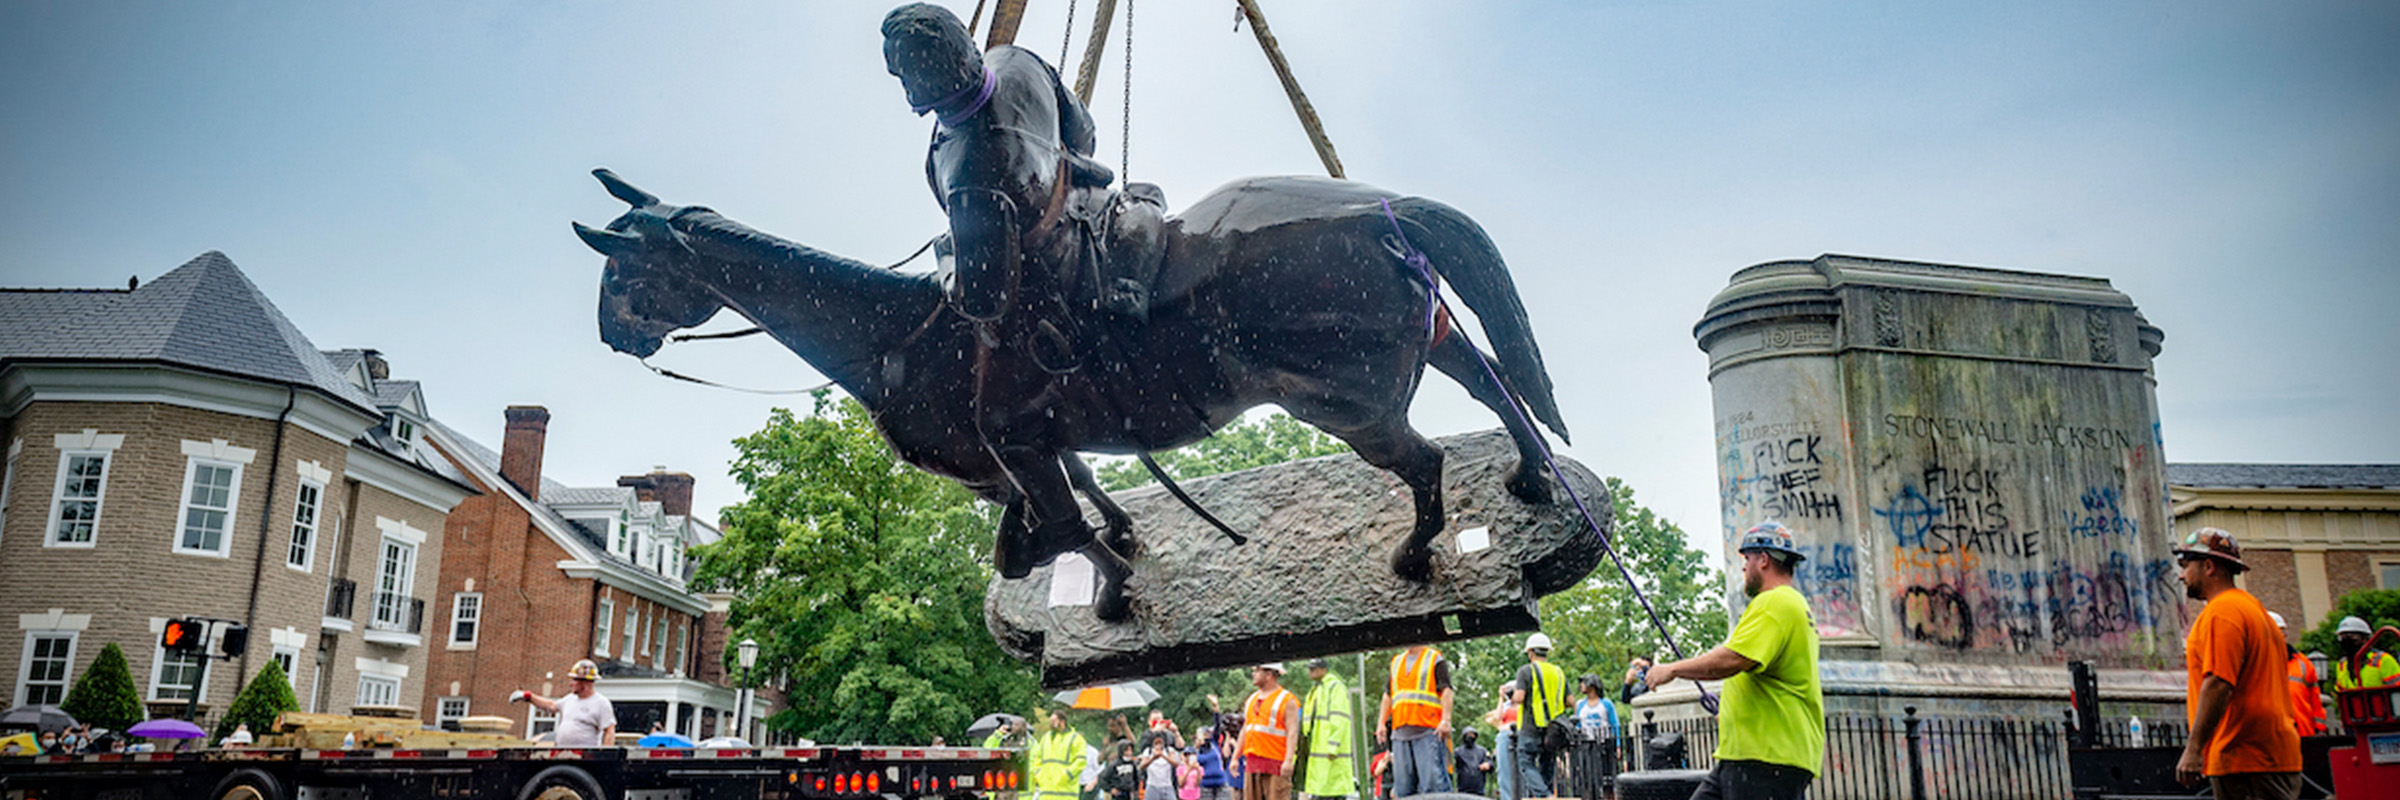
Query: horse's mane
pixel 761 247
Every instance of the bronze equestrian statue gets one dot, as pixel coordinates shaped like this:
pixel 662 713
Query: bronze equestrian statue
pixel 1071 318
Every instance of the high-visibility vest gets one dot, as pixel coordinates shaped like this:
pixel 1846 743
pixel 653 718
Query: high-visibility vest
pixel 1057 760
pixel 1263 723
pixel 2377 669
pixel 2308 710
pixel 1415 701
pixel 1546 699
pixel 1326 715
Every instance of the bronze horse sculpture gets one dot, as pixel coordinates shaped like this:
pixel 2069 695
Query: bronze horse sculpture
pixel 1310 294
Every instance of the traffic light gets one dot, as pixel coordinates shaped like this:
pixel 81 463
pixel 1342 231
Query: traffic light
pixel 233 639
pixel 184 636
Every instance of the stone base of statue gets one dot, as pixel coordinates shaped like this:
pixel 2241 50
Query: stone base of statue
pixel 1315 578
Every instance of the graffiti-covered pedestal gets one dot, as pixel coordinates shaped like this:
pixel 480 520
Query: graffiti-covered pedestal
pixel 1970 457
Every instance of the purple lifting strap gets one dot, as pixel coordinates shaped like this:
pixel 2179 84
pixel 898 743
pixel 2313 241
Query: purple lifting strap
pixel 983 94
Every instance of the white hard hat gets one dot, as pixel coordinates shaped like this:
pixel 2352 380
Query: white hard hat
pixel 1538 641
pixel 2353 625
pixel 2278 618
pixel 1277 666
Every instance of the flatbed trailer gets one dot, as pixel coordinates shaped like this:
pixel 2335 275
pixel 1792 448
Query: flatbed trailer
pixel 526 773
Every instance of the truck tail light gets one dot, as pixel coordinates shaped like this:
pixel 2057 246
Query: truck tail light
pixel 874 782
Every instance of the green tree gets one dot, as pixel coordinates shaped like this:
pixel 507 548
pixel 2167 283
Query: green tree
pixel 105 696
pixel 266 697
pixel 1599 626
pixel 1273 439
pixel 2379 607
pixel 862 578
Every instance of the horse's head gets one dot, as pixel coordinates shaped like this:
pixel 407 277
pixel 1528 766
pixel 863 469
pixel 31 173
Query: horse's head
pixel 930 51
pixel 645 293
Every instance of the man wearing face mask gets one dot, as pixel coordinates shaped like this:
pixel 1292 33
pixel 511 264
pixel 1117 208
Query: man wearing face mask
pixel 2376 668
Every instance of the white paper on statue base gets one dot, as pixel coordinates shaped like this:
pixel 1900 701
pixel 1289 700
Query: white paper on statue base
pixel 1474 539
pixel 1071 581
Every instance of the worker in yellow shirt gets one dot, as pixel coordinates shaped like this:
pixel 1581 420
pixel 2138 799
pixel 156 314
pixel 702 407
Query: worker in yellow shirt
pixel 2353 670
pixel 1057 758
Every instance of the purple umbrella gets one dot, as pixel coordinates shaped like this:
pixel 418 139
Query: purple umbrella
pixel 167 729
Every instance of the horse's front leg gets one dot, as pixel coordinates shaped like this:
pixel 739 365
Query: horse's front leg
pixel 1011 411
pixel 1395 447
pixel 1119 534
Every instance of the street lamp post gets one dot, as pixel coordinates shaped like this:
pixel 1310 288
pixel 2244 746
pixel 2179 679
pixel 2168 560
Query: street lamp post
pixel 745 654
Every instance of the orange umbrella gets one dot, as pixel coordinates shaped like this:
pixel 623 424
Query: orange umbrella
pixel 1115 695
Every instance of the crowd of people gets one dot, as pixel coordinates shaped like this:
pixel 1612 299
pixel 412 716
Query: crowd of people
pixel 72 740
pixel 2251 698
pixel 1557 736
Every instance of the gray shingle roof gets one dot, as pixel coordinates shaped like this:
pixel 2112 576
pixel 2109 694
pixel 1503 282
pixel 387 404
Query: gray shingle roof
pixel 204 314
pixel 559 494
pixel 390 394
pixel 2284 476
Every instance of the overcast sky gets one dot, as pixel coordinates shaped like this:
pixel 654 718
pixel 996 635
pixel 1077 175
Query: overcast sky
pixel 400 176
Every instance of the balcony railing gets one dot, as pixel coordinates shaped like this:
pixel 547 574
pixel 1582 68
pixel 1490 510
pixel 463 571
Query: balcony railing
pixel 398 613
pixel 338 601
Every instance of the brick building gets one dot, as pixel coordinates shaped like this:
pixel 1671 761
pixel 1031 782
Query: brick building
pixel 2310 532
pixel 180 449
pixel 537 574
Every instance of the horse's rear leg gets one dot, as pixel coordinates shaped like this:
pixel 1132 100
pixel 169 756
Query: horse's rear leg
pixel 1399 449
pixel 1456 358
pixel 1119 533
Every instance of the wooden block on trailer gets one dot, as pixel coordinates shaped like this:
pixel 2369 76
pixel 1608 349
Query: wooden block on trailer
pixel 1316 577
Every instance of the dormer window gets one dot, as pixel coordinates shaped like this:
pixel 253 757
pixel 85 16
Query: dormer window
pixel 404 430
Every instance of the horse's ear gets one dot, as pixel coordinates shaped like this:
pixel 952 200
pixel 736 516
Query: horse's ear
pixel 608 243
pixel 624 191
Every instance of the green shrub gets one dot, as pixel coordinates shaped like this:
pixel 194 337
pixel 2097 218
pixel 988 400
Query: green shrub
pixel 105 696
pixel 267 696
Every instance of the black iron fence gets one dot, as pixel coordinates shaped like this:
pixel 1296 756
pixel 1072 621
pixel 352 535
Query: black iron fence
pixel 1871 757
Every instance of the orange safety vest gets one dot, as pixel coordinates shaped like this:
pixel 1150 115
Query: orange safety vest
pixel 1415 701
pixel 2308 708
pixel 1264 722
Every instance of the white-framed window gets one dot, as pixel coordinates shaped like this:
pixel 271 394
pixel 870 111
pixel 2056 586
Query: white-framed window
pixel 378 690
pixel 304 526
pixel 538 722
pixel 664 561
pixel 633 633
pixel 395 572
pixel 210 490
pixel 172 674
pixel 48 664
pixel 75 503
pixel 466 614
pixel 658 642
pixel 404 430
pixel 2387 574
pixel 600 623
pixel 683 642
pixel 448 711
pixel 288 657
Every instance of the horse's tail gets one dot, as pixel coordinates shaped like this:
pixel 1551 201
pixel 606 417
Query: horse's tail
pixel 1465 256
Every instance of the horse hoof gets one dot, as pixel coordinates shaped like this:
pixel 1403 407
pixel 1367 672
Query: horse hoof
pixel 1531 486
pixel 1413 563
pixel 1120 539
pixel 1112 604
pixel 1013 556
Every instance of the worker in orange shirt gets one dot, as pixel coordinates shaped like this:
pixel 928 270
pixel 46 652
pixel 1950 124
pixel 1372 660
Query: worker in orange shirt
pixel 2308 707
pixel 2242 741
